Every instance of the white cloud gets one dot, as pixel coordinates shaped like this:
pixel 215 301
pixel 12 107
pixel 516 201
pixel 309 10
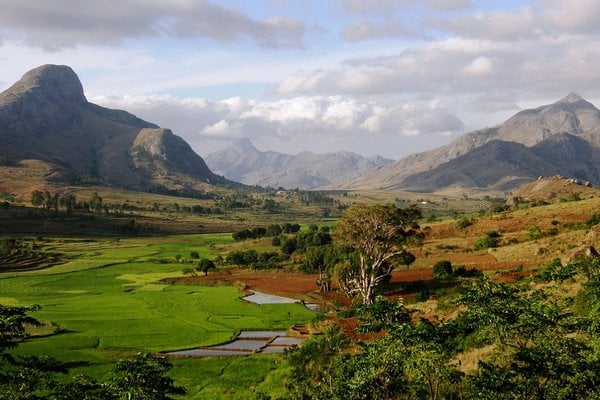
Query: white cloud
pixel 218 129
pixel 478 67
pixel 551 67
pixel 306 122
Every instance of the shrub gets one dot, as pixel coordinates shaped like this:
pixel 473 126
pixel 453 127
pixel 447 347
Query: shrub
pixel 555 270
pixel 534 233
pixel 462 272
pixel 442 269
pixel 490 240
pixel 205 265
pixel 464 222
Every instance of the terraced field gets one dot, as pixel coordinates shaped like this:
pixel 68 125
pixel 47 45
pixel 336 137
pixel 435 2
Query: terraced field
pixel 107 302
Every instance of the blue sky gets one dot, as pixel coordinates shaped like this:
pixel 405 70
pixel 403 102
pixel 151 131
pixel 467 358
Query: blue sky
pixel 388 77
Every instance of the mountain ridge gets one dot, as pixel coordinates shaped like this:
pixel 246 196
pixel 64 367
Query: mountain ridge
pixel 46 116
pixel 572 115
pixel 243 162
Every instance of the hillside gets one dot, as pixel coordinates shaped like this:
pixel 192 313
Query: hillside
pixel 563 137
pixel 45 117
pixel 242 162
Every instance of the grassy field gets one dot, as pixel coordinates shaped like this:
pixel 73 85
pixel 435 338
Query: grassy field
pixel 108 302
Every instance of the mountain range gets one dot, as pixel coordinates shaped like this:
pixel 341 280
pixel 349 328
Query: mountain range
pixel 562 138
pixel 45 116
pixel 242 162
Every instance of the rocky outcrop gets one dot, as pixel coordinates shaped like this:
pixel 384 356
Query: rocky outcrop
pixel 45 116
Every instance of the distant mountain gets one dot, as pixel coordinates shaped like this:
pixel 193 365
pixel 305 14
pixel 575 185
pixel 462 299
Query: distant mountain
pixel 560 138
pixel 45 116
pixel 242 162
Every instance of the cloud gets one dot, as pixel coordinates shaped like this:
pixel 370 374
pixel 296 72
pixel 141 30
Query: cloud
pixel 544 67
pixel 523 24
pixel 374 6
pixel 53 25
pixel 478 67
pixel 307 122
pixel 449 5
pixel 366 30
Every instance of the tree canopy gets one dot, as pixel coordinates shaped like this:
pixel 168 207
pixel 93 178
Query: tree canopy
pixel 378 234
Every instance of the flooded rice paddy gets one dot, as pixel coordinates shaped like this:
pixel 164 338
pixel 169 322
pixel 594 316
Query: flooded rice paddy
pixel 252 342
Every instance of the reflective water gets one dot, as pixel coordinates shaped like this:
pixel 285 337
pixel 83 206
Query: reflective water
pixel 247 342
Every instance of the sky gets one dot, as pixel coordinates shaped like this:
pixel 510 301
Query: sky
pixel 376 77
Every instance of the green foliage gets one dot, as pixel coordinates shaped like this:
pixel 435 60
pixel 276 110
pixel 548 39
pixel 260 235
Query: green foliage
pixel 556 271
pixel 254 259
pixel 270 205
pixel 377 372
pixel 313 364
pixel 382 314
pixel 461 272
pixel 321 260
pixel 270 231
pixel 313 237
pixel 290 228
pixel 490 240
pixel 594 220
pixel 144 378
pixel 274 230
pixel 534 233
pixel 464 222
pixel 378 234
pixel 12 325
pixel 205 265
pixel 442 269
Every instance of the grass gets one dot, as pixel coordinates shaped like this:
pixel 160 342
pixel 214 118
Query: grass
pixel 108 302
pixel 232 378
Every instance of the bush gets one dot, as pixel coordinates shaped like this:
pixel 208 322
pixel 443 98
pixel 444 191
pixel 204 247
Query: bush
pixel 490 240
pixel 556 271
pixel 442 269
pixel 463 222
pixel 205 265
pixel 462 272
pixel 534 233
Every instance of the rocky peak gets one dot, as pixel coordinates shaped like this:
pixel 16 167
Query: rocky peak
pixel 58 82
pixel 245 145
pixel 571 98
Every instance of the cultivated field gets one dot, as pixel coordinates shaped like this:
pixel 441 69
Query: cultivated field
pixel 108 302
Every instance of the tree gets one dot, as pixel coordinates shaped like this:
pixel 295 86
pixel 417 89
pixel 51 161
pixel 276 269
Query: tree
pixel 442 269
pixel 37 198
pixel 378 234
pixel 205 265
pixel 490 240
pixel 28 377
pixel 321 260
pixel 69 202
pixel 144 378
pixel 96 203
pixel 12 325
